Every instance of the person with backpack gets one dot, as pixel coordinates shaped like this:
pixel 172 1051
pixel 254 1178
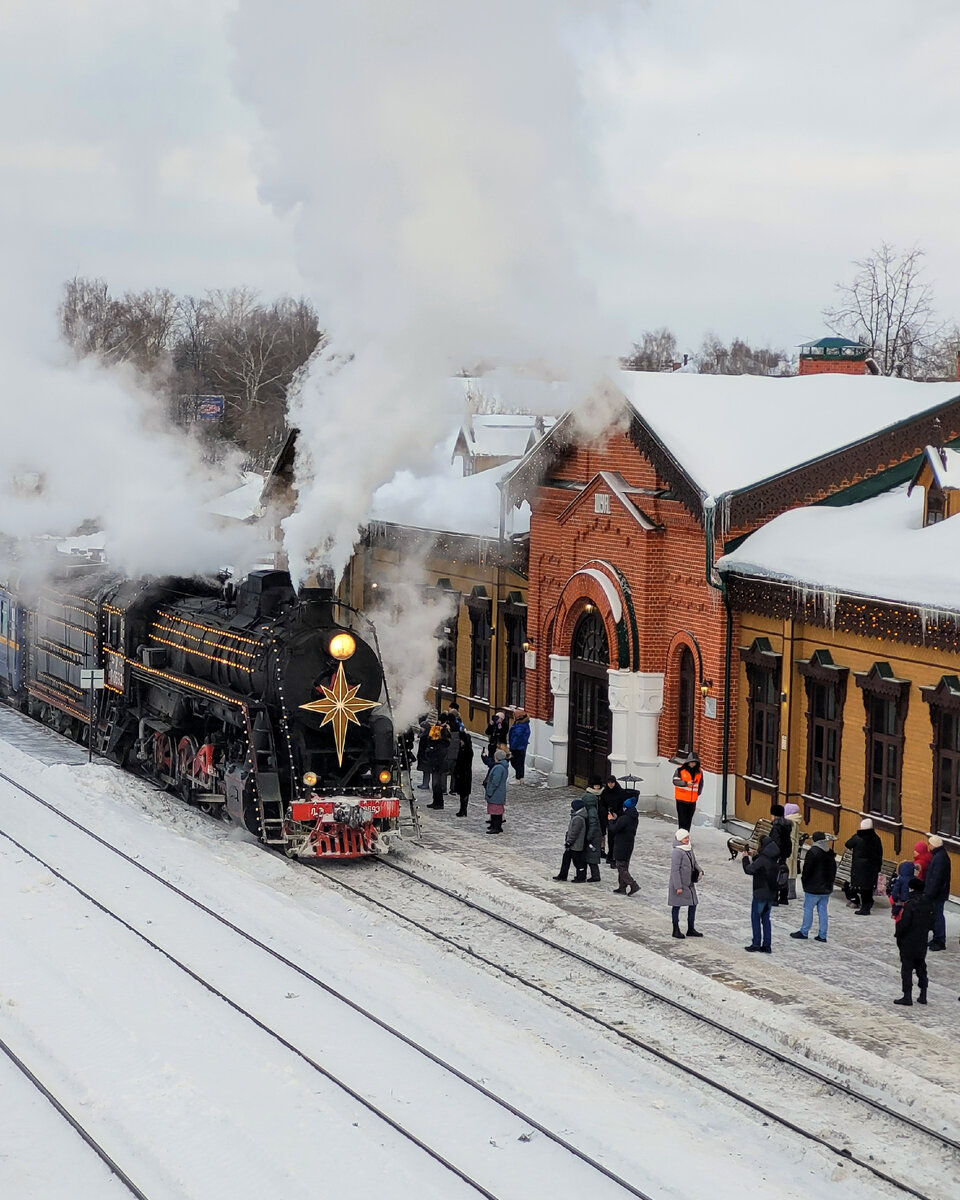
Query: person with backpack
pixel 435 760
pixel 898 889
pixel 818 877
pixel 495 791
pixel 622 835
pixel 764 870
pixel 912 929
pixel 782 830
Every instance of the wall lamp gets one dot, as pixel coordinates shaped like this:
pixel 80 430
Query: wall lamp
pixel 705 686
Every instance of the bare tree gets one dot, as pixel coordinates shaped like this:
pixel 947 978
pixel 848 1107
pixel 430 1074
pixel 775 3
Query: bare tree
pixel 888 306
pixel 655 351
pixel 740 358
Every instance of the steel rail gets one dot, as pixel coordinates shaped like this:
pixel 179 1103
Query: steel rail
pixel 552 1136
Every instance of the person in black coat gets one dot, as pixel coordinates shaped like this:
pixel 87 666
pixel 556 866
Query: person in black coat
pixel 911 931
pixel 610 801
pixel 866 850
pixel 763 869
pixel 936 885
pixel 622 834
pixel 435 760
pixel 463 772
pixel 781 831
pixel 424 727
pixel 818 877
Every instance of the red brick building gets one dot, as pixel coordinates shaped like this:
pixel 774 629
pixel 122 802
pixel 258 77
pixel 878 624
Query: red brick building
pixel 632 641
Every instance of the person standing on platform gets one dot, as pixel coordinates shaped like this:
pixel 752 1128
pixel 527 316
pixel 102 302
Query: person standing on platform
pixel 764 869
pixel 687 786
pixel 435 760
pixel 622 835
pixel 497 732
pixel 915 923
pixel 495 791
pixel 573 844
pixel 611 801
pixel 818 878
pixel 792 814
pixel 866 850
pixel 451 718
pixel 682 892
pixel 518 739
pixel 463 772
pixel 936 885
pixel 782 830
pixel 591 799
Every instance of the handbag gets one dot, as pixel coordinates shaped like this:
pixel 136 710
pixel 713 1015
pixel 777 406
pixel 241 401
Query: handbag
pixel 783 875
pixel 695 874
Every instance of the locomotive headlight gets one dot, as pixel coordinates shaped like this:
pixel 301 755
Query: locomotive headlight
pixel 310 778
pixel 385 776
pixel 342 645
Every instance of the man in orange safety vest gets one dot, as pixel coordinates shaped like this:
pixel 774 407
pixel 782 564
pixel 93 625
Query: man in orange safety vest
pixel 687 786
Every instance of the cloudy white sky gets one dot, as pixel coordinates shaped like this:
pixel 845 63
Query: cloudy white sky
pixel 746 149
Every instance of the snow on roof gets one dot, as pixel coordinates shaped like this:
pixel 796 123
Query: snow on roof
pixel 731 431
pixel 241 503
pixel 448 502
pixel 502 435
pixel 878 548
pixel 513 388
pixel 945 464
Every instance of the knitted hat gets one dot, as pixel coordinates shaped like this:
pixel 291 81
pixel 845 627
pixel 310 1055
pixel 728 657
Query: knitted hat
pixel 499 755
pixel 819 836
pixel 935 842
pixel 630 802
pixel 788 809
pixel 682 835
pixel 866 823
pixel 576 805
pixel 776 810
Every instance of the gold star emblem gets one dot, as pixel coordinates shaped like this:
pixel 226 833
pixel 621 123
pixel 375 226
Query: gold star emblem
pixel 339 706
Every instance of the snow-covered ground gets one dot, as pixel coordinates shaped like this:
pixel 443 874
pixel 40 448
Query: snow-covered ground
pixel 193 1099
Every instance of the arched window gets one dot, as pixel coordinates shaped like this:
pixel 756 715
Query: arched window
pixel 687 702
pixel 590 641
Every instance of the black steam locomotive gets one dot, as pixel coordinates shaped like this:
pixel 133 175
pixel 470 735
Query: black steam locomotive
pixel 256 700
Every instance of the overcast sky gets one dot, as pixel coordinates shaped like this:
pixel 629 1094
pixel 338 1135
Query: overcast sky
pixel 747 151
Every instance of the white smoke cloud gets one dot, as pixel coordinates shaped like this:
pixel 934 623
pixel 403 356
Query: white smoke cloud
pixel 436 158
pixel 84 443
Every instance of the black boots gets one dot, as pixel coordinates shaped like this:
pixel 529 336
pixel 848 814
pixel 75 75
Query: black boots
pixel 436 804
pixel 906 999
pixel 676 932
pixel 496 825
pixel 922 998
pixel 691 932
pixel 463 808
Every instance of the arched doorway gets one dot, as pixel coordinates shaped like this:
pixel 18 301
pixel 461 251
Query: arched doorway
pixel 589 708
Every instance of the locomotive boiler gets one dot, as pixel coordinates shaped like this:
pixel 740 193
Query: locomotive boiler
pixel 260 702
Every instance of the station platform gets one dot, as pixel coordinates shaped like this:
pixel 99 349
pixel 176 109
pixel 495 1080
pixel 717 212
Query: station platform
pixel 844 987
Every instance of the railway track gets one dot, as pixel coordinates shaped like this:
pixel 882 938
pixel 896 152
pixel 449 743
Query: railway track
pixel 78 1128
pixel 564 1159
pixel 786 1090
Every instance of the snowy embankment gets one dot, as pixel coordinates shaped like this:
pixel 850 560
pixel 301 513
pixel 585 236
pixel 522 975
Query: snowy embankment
pixel 193 1100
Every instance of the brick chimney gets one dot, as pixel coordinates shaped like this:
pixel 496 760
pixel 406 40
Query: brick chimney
pixel 835 356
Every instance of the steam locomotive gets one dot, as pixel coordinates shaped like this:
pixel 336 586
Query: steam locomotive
pixel 254 701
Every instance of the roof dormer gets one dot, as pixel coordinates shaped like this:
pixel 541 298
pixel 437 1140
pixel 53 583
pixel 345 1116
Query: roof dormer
pixel 939 476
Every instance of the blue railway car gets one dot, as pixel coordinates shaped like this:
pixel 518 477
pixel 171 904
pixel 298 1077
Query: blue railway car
pixel 11 645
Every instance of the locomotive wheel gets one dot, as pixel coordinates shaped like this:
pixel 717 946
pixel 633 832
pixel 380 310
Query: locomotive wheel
pixel 186 754
pixel 163 755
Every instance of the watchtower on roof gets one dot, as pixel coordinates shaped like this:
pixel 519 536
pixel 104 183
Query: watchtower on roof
pixel 834 355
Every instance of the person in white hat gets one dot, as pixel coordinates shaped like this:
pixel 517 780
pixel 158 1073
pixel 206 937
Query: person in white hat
pixel 866 850
pixel 684 873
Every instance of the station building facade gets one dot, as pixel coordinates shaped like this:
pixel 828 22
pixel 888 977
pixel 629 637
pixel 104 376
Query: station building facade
pixel 633 636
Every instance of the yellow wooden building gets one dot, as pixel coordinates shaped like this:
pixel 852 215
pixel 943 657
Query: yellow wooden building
pixel 847 632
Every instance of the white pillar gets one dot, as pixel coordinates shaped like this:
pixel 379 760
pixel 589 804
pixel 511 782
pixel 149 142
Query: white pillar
pixel 645 731
pixel 559 739
pixel 621 695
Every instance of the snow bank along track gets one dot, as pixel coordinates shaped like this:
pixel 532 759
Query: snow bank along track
pixel 861 1127
pixel 72 1121
pixel 557 1158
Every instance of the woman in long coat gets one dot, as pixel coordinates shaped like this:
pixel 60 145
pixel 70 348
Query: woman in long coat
pixel 683 891
pixel 495 791
pixel 463 772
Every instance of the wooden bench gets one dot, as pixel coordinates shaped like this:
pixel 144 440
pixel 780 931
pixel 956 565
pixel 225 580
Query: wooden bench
pixel 887 869
pixel 752 843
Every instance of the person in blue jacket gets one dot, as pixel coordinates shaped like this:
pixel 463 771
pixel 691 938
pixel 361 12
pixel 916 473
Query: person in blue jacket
pixel 518 740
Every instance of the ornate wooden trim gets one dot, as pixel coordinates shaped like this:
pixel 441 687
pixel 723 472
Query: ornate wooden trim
pixel 821 804
pixel 946 694
pixel 821 668
pixel 861 615
pixel 839 469
pixel 760 654
pixel 666 466
pixel 881 681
